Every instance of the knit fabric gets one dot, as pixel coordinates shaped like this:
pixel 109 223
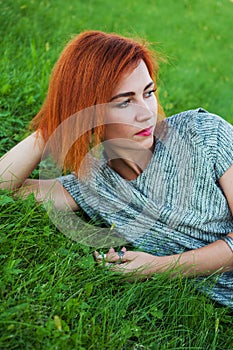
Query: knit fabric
pixel 176 203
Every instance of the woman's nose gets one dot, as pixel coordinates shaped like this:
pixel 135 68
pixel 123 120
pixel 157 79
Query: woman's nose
pixel 143 112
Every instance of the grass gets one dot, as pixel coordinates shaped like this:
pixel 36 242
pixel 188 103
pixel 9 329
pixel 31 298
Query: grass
pixel 54 297
pixel 52 294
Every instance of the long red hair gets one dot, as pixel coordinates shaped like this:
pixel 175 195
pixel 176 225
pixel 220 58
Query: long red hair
pixel 86 73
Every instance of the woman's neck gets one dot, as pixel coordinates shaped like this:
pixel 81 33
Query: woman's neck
pixel 130 165
pixel 126 169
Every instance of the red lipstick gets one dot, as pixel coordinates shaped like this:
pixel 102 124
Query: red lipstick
pixel 145 132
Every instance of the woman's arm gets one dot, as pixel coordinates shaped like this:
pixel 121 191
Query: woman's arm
pixel 46 190
pixel 20 161
pixel 18 164
pixel 215 257
pixel 226 183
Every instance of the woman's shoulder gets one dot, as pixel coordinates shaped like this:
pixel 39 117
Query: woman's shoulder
pixel 199 121
pixel 199 115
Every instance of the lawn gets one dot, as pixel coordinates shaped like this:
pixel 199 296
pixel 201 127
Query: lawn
pixel 52 295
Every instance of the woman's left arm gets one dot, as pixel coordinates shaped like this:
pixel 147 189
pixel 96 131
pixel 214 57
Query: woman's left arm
pixel 226 183
pixel 215 257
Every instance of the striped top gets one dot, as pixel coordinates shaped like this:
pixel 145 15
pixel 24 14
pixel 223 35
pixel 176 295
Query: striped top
pixel 176 203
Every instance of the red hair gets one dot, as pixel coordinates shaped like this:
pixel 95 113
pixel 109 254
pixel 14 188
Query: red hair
pixel 88 70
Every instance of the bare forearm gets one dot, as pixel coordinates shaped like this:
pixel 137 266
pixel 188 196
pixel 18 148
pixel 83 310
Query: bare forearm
pixel 20 161
pixel 215 257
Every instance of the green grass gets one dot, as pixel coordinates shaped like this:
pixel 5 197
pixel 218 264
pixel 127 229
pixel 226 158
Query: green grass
pixel 54 297
pixel 52 294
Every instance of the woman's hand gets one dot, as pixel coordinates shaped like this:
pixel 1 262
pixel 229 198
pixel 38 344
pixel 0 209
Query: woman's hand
pixel 126 261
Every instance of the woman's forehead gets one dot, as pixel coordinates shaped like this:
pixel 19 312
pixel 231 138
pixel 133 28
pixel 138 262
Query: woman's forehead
pixel 138 77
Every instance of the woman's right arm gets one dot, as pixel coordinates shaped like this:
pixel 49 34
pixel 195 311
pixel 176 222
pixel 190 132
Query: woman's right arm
pixel 18 164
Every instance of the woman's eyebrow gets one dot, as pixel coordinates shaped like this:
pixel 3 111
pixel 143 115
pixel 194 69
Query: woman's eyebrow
pixel 130 93
pixel 123 94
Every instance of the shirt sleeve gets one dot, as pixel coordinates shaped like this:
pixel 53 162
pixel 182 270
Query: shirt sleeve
pixel 224 151
pixel 82 195
pixel 71 184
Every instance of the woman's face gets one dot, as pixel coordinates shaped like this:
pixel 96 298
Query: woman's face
pixel 132 111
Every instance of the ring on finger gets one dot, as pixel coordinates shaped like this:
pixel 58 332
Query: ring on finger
pixel 120 254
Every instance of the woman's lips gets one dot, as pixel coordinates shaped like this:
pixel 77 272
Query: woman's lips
pixel 145 132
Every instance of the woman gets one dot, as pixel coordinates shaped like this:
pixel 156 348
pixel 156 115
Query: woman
pixel 164 184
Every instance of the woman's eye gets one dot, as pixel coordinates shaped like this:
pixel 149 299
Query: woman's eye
pixel 150 93
pixel 123 104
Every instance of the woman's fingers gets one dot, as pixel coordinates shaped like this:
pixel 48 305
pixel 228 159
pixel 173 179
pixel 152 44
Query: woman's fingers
pixel 99 256
pixel 112 256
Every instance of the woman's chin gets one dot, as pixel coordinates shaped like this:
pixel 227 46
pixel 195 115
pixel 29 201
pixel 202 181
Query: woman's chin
pixel 147 142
